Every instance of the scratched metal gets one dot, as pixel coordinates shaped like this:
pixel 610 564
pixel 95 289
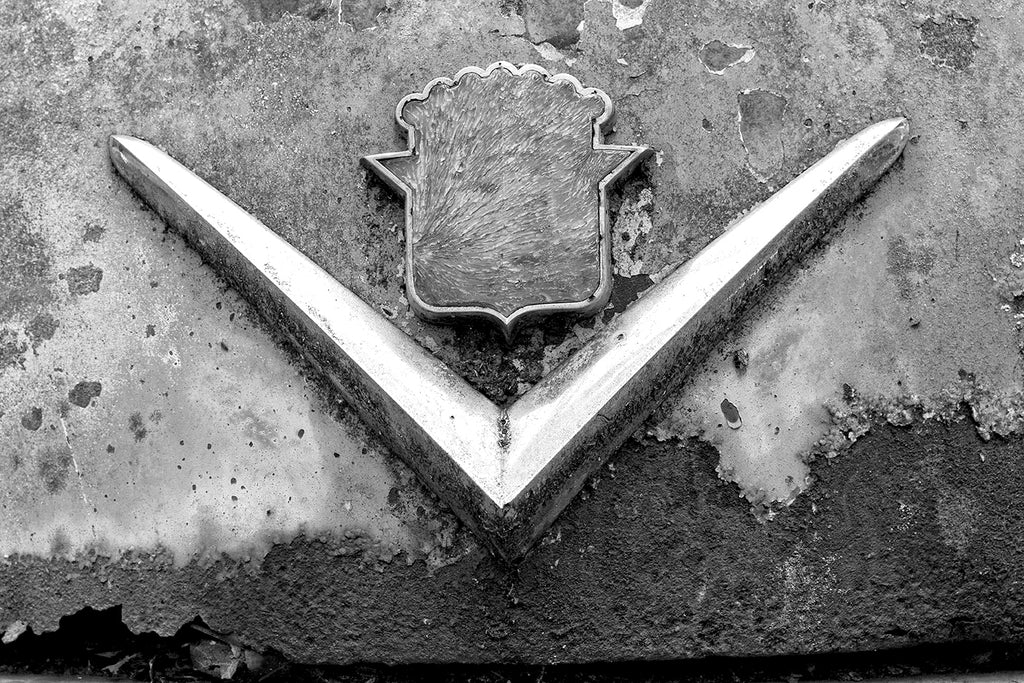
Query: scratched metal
pixel 504 181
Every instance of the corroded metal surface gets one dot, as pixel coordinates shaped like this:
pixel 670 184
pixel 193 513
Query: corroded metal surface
pixel 509 472
pixel 505 185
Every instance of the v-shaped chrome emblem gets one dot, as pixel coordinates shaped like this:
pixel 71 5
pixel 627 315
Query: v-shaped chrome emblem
pixel 509 472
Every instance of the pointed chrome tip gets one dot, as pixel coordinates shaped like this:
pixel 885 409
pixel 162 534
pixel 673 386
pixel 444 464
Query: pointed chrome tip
pixel 120 143
pixel 116 147
pixel 892 138
pixel 123 146
pixel 895 132
pixel 123 151
pixel 877 147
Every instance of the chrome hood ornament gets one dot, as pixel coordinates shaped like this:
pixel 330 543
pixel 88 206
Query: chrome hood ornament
pixel 505 182
pixel 508 472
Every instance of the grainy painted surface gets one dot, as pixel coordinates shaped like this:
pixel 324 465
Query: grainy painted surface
pixel 161 449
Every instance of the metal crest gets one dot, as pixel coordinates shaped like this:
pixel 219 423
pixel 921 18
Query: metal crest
pixel 509 471
pixel 505 183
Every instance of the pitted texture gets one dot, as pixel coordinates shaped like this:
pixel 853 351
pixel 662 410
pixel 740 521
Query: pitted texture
pixel 504 190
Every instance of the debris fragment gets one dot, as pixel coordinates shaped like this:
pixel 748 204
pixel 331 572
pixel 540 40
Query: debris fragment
pixel 221 655
pixel 13 632
pixel 115 668
pixel 216 658
pixel 1017 257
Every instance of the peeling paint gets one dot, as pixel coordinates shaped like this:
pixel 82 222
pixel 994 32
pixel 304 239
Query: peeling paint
pixel 629 234
pixel 849 419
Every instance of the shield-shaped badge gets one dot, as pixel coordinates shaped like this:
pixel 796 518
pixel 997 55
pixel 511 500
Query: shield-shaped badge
pixel 505 181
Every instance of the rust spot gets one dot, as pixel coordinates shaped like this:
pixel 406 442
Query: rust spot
pixel 41 328
pixel 60 545
pixel 84 392
pixel 136 426
pixel 908 266
pixel 12 349
pixel 32 419
pixel 84 279
pixel 93 232
pixel 949 41
pixel 25 262
pixel 53 469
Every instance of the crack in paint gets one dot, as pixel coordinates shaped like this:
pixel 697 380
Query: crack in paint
pixel 78 471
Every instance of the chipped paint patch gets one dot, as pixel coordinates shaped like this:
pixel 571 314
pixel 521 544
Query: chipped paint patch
pixel 949 41
pixel 628 14
pixel 556 22
pixel 362 15
pixel 759 118
pixel 717 56
pixel 549 52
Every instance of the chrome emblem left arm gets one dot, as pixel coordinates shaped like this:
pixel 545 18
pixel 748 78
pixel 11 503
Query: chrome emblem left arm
pixel 509 472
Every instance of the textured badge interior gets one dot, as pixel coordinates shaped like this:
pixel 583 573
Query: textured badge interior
pixel 505 183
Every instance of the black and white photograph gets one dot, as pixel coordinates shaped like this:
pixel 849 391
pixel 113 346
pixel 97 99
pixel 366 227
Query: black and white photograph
pixel 512 341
